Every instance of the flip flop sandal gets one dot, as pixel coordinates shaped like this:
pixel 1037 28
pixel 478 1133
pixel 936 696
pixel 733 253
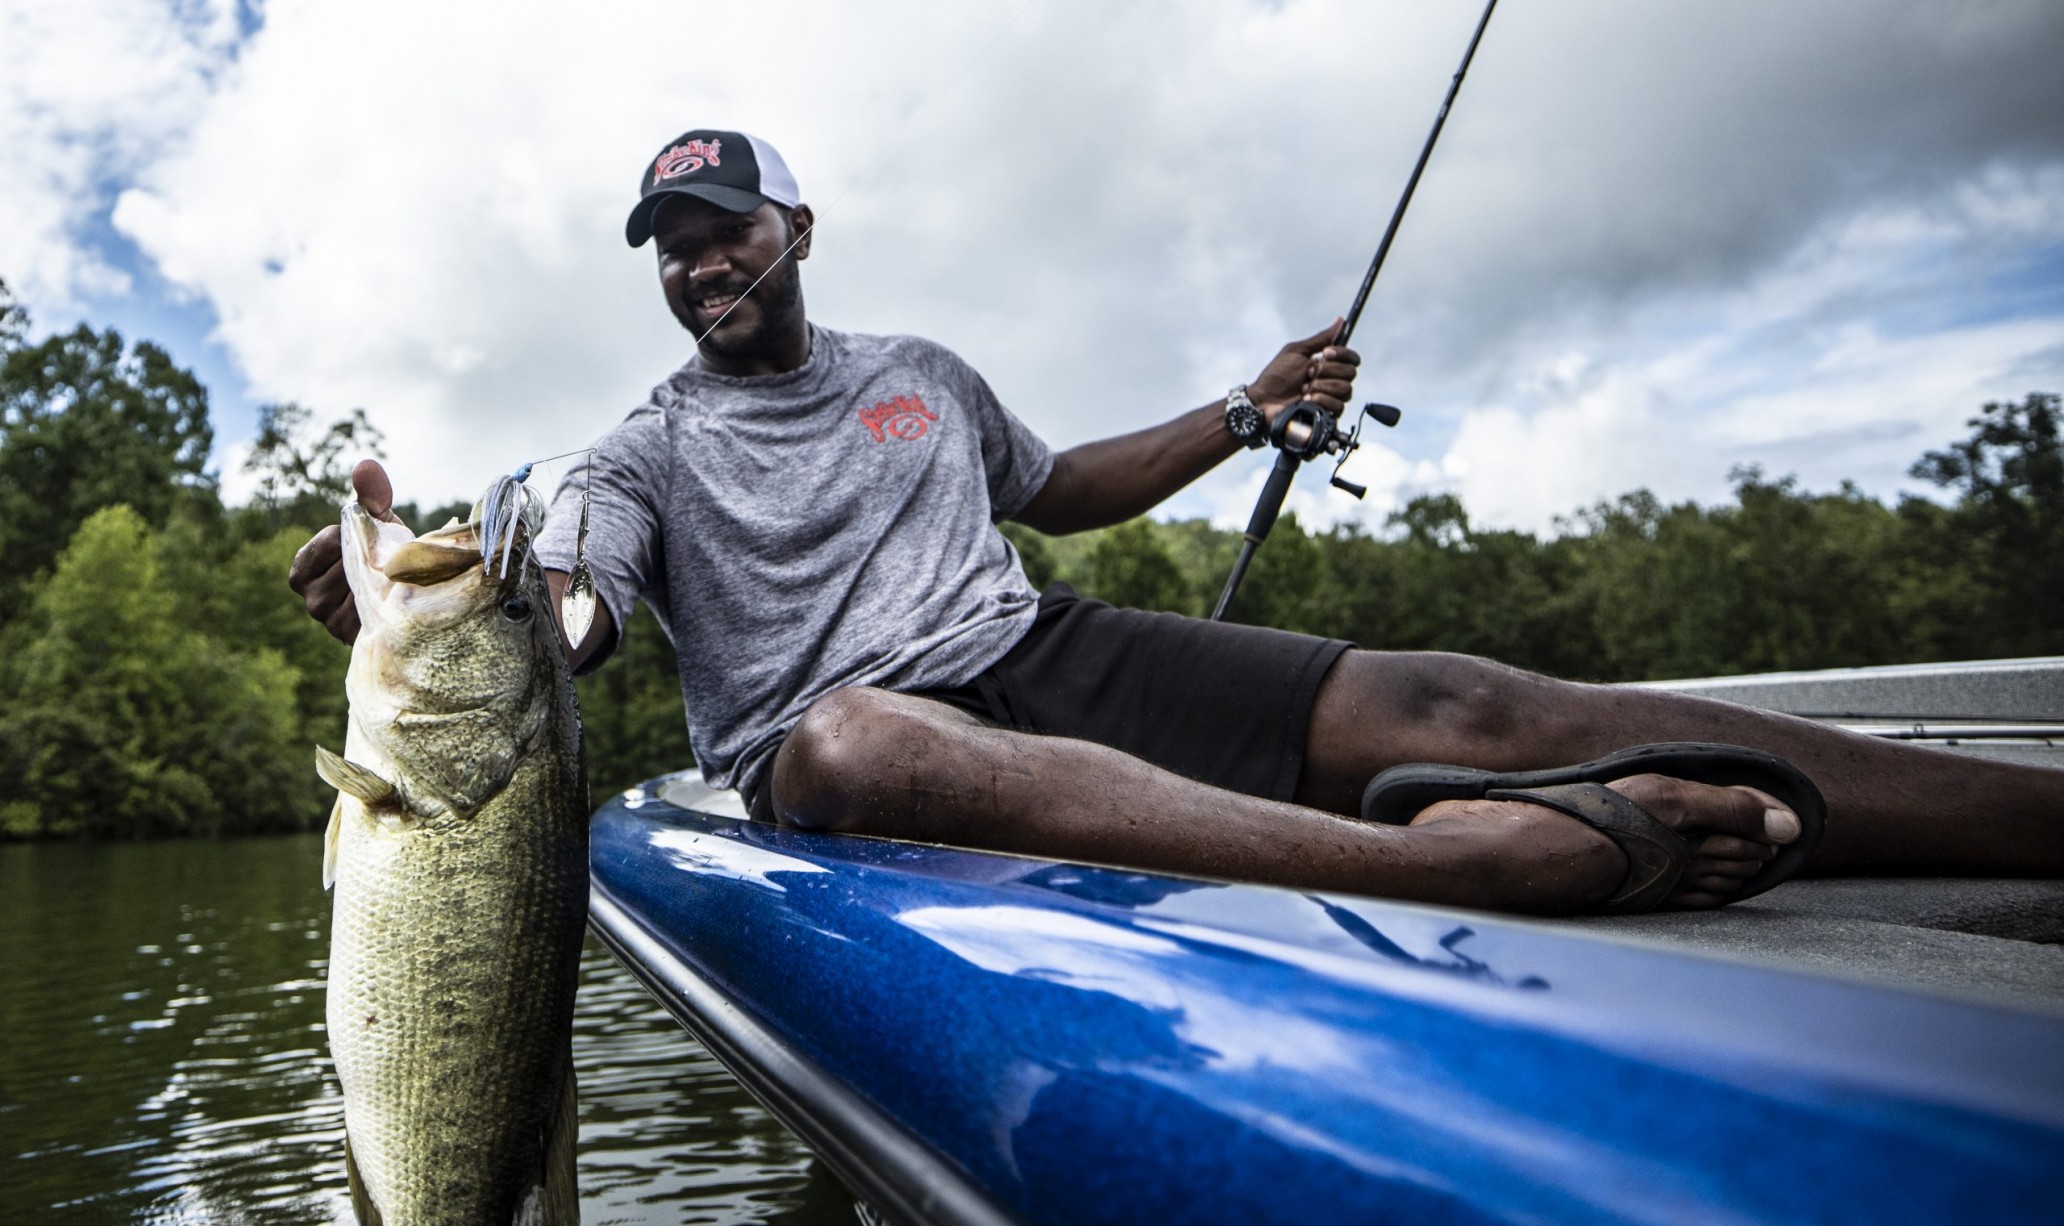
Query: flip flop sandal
pixel 1656 855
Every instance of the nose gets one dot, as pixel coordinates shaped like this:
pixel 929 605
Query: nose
pixel 710 265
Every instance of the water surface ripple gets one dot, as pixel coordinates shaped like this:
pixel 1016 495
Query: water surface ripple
pixel 162 1057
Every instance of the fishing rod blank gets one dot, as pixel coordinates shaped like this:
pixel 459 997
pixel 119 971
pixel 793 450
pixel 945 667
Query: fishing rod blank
pixel 1305 431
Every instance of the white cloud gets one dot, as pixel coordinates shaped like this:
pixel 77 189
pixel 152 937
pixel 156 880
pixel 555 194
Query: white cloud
pixel 237 486
pixel 1785 373
pixel 1842 359
pixel 92 92
pixel 1657 240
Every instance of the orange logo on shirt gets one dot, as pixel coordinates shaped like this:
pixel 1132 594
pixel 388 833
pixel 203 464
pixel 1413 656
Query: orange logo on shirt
pixel 903 417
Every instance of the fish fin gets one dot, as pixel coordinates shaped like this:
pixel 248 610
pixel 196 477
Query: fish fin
pixel 362 1206
pixel 554 1200
pixel 353 779
pixel 329 842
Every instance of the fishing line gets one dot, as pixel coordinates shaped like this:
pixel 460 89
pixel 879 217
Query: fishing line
pixel 524 471
pixel 910 121
pixel 497 519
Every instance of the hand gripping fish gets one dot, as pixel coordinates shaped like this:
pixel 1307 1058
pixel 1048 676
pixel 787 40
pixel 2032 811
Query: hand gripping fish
pixel 458 852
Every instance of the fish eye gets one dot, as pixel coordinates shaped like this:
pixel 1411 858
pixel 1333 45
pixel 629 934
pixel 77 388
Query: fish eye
pixel 516 608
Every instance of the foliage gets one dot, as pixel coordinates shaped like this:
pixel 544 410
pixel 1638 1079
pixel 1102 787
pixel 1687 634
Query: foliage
pixel 301 469
pixel 1033 553
pixel 2008 519
pixel 87 422
pixel 126 720
pixel 633 721
pixel 14 321
pixel 1633 589
pixel 158 678
pixel 1130 566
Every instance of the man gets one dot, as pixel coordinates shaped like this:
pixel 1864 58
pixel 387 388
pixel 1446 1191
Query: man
pixel 811 514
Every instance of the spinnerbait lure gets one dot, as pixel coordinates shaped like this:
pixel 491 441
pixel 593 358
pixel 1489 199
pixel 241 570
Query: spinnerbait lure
pixel 509 505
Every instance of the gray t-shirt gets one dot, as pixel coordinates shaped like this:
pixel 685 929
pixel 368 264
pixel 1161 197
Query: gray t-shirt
pixel 796 533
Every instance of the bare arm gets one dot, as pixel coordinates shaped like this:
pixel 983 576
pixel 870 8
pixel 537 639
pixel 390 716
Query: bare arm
pixel 1111 480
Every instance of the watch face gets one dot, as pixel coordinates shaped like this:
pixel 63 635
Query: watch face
pixel 1244 421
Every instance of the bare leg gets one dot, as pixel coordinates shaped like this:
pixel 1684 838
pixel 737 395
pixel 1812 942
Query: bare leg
pixel 1892 808
pixel 871 762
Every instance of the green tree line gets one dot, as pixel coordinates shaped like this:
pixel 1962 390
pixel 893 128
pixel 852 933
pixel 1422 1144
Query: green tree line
pixel 1635 589
pixel 158 679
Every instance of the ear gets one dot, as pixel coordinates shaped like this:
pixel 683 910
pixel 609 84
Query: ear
pixel 802 225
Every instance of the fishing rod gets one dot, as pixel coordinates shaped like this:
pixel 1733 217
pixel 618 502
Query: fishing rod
pixel 1306 431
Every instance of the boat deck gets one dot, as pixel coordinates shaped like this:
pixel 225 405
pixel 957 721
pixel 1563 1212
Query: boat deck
pixel 976 1038
pixel 1997 941
pixel 1993 940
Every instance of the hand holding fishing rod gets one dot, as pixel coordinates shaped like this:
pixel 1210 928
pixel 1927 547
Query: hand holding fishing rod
pixel 1307 430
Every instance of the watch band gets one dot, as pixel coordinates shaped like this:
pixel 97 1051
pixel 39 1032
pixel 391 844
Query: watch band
pixel 1242 420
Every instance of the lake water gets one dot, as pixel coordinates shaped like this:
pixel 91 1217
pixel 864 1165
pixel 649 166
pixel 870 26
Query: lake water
pixel 162 1057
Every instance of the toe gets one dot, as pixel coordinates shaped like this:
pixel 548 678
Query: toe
pixel 1694 900
pixel 1734 832
pixel 1727 847
pixel 1711 884
pixel 1695 809
pixel 1733 870
pixel 1780 824
pixel 1717 879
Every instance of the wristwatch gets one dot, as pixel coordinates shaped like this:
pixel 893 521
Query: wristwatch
pixel 1242 420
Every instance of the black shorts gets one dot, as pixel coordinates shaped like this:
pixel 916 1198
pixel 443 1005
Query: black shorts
pixel 1223 704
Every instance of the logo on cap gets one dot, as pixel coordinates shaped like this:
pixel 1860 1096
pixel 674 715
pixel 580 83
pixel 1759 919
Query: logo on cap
pixel 682 159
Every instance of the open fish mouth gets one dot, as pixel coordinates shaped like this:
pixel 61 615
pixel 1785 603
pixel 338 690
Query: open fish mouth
pixel 396 575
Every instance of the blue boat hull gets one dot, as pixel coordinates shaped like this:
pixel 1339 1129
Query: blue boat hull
pixel 980 1038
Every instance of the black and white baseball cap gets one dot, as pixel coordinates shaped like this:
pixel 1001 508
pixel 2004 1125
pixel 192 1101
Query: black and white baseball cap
pixel 729 169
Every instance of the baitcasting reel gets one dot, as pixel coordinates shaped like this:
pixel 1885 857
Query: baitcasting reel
pixel 1304 431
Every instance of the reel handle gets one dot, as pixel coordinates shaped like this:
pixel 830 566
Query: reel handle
pixel 1385 415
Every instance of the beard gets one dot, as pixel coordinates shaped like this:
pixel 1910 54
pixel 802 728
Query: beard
pixel 779 298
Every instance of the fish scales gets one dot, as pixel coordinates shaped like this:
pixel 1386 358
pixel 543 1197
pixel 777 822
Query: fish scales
pixel 459 855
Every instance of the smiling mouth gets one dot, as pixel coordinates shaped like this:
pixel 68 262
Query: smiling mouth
pixel 713 306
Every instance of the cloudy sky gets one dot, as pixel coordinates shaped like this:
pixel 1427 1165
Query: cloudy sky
pixel 1657 241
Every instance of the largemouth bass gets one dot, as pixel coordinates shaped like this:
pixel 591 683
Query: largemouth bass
pixel 459 856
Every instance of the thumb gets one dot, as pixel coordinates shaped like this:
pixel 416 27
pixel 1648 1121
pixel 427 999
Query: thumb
pixel 375 492
pixel 1312 344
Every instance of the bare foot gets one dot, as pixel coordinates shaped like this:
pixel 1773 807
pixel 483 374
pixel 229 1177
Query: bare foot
pixel 1536 859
